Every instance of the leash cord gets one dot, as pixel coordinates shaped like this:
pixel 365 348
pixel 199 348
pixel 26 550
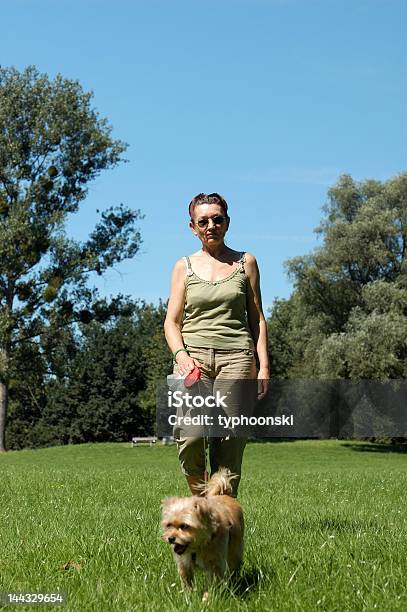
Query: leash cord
pixel 205 446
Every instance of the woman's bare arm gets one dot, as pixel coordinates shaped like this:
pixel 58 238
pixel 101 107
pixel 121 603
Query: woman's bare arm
pixel 256 320
pixel 173 320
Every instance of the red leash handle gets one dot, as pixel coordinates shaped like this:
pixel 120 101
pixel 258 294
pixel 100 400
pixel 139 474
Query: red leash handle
pixel 192 378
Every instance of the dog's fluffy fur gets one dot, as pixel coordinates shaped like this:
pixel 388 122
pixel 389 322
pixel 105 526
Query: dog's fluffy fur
pixel 205 532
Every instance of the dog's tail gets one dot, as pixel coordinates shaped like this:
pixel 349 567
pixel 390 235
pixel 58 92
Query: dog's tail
pixel 219 483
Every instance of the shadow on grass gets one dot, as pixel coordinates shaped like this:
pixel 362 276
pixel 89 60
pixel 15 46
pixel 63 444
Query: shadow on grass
pixel 250 580
pixel 275 440
pixel 338 525
pixel 376 448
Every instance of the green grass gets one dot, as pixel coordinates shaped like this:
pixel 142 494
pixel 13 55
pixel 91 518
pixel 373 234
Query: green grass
pixel 326 528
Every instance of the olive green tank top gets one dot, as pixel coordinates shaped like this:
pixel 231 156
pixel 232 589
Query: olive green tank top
pixel 215 311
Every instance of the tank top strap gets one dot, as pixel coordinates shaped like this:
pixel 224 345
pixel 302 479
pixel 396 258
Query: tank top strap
pixel 188 265
pixel 242 261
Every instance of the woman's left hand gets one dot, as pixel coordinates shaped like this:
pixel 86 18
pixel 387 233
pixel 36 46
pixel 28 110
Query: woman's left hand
pixel 262 383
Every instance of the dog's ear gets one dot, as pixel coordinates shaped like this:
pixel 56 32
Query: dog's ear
pixel 201 505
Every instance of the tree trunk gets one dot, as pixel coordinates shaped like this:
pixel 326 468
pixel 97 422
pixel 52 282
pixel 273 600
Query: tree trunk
pixel 3 415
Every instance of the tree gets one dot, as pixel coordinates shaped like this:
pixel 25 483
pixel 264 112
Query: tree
pixel 347 315
pixel 157 359
pixel 97 401
pixel 104 382
pixel 280 347
pixel 52 144
pixel 27 394
pixel 373 344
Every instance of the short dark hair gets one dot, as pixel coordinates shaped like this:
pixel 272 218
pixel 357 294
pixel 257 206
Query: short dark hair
pixel 211 198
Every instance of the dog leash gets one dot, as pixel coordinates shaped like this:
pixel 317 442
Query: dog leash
pixel 205 444
pixel 194 378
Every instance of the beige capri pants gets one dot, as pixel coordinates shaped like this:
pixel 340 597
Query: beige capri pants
pixel 218 365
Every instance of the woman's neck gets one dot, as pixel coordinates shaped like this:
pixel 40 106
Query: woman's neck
pixel 216 250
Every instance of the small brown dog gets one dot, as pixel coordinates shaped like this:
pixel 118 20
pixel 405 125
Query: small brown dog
pixel 205 532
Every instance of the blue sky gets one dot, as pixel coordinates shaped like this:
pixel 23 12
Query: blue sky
pixel 264 101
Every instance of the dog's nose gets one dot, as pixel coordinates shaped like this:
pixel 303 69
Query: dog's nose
pixel 171 540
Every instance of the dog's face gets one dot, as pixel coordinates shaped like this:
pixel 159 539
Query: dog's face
pixel 186 523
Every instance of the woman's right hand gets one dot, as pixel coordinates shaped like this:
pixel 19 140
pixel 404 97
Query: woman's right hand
pixel 186 363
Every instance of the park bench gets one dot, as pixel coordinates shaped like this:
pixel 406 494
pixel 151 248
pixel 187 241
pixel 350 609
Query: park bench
pixel 151 440
pixel 138 441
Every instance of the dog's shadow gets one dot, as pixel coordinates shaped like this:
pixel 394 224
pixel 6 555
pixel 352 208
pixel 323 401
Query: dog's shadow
pixel 249 580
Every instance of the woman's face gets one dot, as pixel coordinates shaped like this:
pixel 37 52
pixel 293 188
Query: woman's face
pixel 209 223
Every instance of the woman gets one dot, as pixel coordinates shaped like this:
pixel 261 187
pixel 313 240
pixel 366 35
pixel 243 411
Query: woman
pixel 215 322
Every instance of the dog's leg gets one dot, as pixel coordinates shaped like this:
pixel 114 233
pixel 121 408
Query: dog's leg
pixel 220 568
pixel 219 565
pixel 185 569
pixel 235 549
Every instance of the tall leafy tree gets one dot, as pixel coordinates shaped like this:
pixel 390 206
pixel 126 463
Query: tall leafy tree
pixel 52 144
pixel 98 399
pixel 347 315
pixel 157 359
pixel 104 390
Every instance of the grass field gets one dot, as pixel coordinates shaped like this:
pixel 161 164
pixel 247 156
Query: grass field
pixel 326 528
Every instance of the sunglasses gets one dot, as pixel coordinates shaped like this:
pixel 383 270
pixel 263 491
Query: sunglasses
pixel 217 220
